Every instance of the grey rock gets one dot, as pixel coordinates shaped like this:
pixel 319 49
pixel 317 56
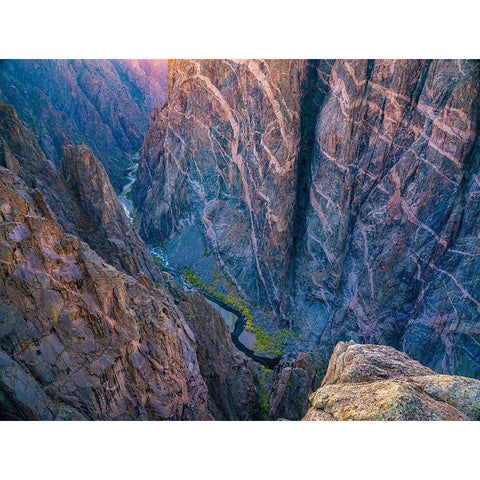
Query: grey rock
pixel 292 384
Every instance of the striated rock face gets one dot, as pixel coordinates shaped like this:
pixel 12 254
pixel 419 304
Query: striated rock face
pixel 373 382
pixel 104 104
pixel 292 385
pixel 222 175
pixel 342 196
pixel 230 375
pixel 391 251
pixel 79 339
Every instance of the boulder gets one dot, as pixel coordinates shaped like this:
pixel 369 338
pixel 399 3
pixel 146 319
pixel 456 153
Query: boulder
pixel 375 382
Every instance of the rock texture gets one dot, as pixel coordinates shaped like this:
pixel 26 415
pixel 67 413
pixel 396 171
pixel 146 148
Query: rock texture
pixel 353 363
pixel 292 384
pixel 107 227
pixel 79 197
pixel 96 334
pixel 374 382
pixel 231 377
pixel 218 169
pixel 104 104
pixel 79 339
pixel 341 196
pixel 391 250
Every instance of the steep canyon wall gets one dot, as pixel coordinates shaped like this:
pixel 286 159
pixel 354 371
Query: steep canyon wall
pixel 342 196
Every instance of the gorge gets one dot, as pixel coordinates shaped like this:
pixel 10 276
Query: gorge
pixel 212 263
pixel 340 196
pixel 242 339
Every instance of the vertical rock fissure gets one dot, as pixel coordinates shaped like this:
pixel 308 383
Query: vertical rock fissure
pixel 312 101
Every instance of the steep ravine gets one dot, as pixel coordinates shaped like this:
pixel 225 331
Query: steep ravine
pixel 242 339
pixel 292 203
pixel 104 104
pixel 90 335
pixel 313 96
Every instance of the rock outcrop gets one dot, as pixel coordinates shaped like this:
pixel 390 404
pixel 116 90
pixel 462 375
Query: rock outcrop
pixel 231 377
pixel 106 226
pixel 375 382
pixel 292 384
pixel 104 104
pixel 341 196
pixel 78 338
pixel 79 197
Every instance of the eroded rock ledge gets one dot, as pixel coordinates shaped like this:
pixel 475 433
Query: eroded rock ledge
pixel 375 382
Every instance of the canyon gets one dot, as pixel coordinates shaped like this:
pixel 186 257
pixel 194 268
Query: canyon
pixel 212 263
pixel 104 104
pixel 340 197
pixel 87 335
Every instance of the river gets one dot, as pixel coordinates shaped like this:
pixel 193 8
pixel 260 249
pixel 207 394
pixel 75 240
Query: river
pixel 242 338
pixel 124 196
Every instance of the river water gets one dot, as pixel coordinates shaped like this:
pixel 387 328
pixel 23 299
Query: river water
pixel 242 338
pixel 124 196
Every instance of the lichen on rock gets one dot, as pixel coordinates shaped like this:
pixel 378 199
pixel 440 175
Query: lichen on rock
pixel 375 382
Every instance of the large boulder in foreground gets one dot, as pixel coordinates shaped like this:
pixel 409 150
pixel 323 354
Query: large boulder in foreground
pixel 375 382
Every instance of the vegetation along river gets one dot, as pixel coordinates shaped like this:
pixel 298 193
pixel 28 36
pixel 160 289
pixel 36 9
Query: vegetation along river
pixel 242 338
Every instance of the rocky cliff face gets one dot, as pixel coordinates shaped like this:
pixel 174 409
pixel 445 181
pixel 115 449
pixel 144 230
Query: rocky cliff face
pixel 79 197
pixel 106 225
pixel 391 250
pixel 292 384
pixel 339 199
pixel 79 339
pixel 222 175
pixel 104 104
pixel 341 196
pixel 374 382
pixel 97 335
